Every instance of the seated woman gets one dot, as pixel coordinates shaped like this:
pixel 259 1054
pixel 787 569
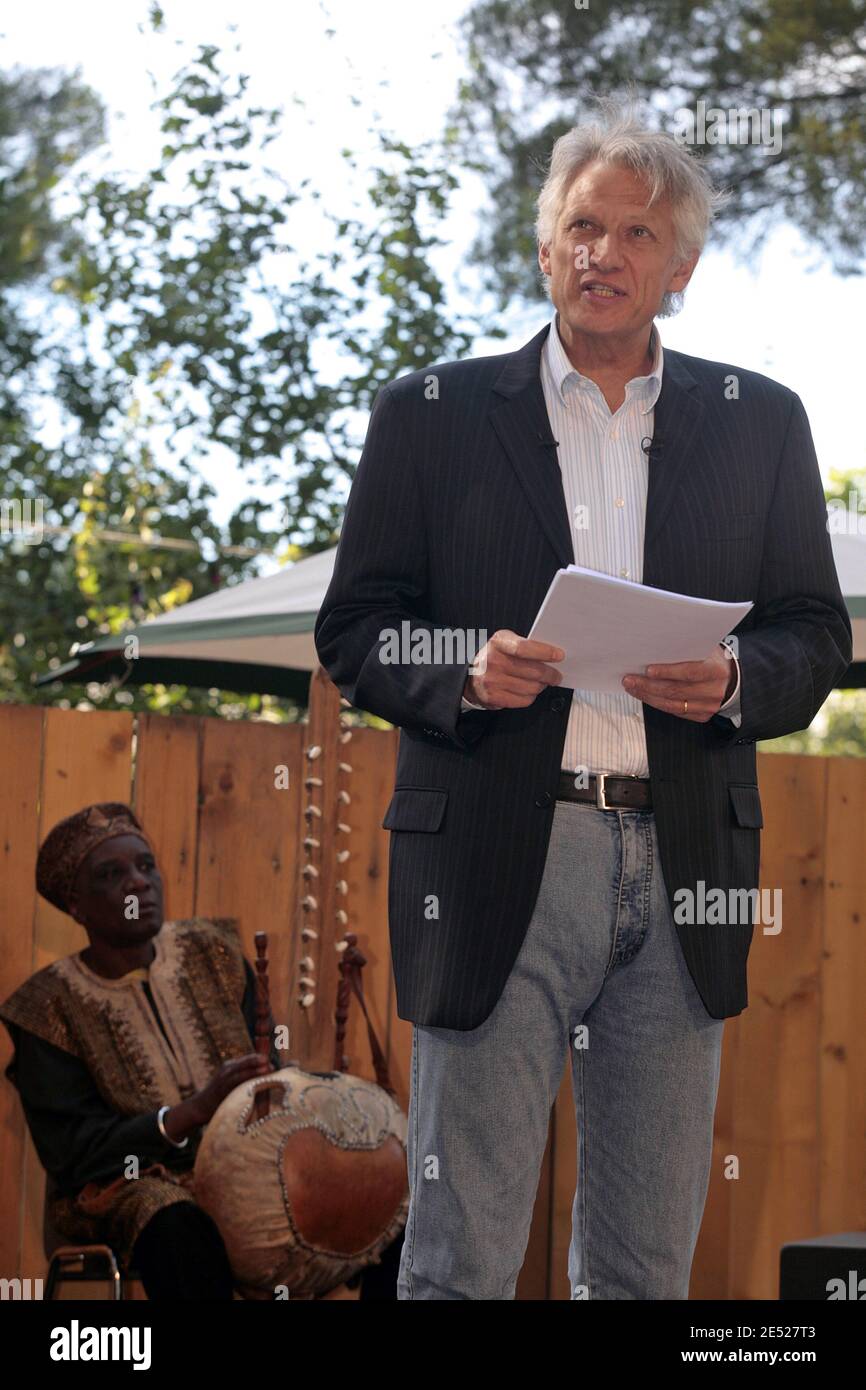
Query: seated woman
pixel 124 1051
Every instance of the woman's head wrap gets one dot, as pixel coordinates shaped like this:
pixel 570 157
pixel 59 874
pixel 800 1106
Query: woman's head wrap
pixel 71 840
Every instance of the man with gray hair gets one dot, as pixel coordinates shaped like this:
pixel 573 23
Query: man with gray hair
pixel 539 834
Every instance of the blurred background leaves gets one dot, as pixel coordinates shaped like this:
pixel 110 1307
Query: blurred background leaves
pixel 158 327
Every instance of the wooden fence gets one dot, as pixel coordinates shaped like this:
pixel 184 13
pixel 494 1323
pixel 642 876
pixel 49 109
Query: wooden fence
pixel 229 835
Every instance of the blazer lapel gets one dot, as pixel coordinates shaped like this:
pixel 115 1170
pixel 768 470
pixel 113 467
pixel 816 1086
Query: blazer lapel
pixel 676 420
pixel 522 424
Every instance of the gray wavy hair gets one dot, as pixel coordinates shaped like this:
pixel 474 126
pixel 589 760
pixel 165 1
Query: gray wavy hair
pixel 669 168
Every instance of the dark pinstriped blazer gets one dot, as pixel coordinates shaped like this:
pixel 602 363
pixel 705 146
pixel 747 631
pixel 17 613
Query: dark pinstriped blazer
pixel 457 519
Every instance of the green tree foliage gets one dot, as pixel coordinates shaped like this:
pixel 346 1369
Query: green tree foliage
pixel 167 339
pixel 840 728
pixel 533 63
pixel 48 121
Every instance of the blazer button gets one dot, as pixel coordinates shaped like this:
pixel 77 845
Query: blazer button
pixel 543 799
pixel 558 703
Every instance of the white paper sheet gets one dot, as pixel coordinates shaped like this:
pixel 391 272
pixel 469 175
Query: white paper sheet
pixel 609 627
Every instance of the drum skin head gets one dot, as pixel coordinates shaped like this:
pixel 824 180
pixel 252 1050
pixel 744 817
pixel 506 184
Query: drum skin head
pixel 342 1199
pixel 310 1193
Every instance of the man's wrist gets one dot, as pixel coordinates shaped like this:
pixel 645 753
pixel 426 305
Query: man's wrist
pixel 466 703
pixel 468 693
pixel 177 1122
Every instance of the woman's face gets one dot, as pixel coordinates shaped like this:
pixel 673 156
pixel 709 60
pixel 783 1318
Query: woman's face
pixel 117 894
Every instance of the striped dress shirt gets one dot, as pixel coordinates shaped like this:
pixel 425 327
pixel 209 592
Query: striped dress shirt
pixel 605 476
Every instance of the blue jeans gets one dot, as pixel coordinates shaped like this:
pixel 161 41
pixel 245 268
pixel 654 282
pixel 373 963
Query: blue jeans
pixel 600 976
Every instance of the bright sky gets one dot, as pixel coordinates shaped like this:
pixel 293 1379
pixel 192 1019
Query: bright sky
pixel 401 59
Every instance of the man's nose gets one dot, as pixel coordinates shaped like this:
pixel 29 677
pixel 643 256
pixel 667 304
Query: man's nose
pixel 605 252
pixel 137 880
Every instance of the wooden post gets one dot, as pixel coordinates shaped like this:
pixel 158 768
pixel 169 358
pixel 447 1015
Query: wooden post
pixel 315 978
pixel 263 1018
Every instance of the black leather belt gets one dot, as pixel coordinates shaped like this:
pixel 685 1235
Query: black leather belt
pixel 606 790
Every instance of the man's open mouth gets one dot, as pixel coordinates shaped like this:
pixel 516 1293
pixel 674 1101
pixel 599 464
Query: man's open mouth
pixel 603 291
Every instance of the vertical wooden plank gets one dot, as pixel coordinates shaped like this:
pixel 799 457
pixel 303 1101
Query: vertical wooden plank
pixel 249 833
pixel 776 1129
pixel 87 757
pixel 167 753
pixel 842 1123
pixel 369 753
pixel 399 1030
pixel 711 1272
pixel 20 758
pixel 312 1025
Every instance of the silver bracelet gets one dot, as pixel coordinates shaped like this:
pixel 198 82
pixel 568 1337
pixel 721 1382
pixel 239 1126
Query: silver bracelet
pixel 178 1143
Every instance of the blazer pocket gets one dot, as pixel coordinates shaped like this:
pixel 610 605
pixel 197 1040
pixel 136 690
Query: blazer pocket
pixel 746 800
pixel 416 808
pixel 729 528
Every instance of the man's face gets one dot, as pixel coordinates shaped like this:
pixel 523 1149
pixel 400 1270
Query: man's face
pixel 608 235
pixel 117 893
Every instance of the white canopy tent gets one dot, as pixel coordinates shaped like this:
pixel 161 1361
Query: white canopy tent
pixel 254 636
pixel 258 635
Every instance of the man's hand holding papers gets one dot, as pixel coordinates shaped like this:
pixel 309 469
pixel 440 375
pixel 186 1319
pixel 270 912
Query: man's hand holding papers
pixel 510 671
pixel 690 689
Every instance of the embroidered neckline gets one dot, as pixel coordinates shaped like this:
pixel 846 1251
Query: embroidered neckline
pixel 139 972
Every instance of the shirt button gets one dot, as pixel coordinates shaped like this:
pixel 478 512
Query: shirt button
pixel 614 434
pixel 623 574
pixel 543 799
pixel 620 502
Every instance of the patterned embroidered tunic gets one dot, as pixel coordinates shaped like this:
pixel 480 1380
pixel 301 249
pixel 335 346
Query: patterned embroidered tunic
pixel 96 1058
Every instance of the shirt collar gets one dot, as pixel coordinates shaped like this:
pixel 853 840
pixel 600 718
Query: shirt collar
pixel 567 378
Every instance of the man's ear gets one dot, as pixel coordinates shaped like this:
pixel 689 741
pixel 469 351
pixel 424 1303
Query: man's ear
pixel 683 274
pixel 544 258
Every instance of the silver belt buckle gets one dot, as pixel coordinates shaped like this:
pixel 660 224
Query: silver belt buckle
pixel 600 801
